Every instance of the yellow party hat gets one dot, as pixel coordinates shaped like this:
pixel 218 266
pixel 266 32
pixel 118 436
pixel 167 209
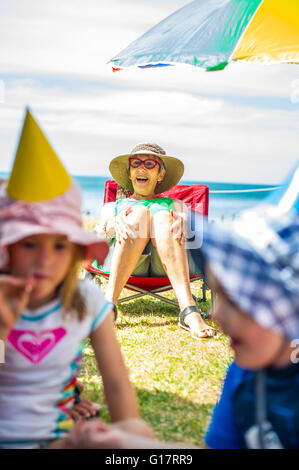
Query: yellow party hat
pixel 37 174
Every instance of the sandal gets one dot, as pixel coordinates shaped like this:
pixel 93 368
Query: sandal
pixel 182 323
pixel 115 312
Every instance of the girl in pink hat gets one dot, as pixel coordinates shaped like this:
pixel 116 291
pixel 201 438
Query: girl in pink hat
pixel 46 314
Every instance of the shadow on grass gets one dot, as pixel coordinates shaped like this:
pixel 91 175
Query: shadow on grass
pixel 139 312
pixel 171 417
pixel 147 307
pixel 146 313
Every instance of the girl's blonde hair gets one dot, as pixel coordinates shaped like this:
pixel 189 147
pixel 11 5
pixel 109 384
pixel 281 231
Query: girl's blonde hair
pixel 71 298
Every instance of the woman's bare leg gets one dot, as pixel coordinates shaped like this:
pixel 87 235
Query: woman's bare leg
pixel 127 253
pixel 174 259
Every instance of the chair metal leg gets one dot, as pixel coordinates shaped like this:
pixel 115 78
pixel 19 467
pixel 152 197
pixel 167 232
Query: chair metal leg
pixel 154 293
pixel 204 290
pixel 164 299
pixel 213 300
pixel 90 276
pixel 203 298
pixel 130 297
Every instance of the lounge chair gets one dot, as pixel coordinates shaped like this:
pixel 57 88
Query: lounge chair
pixel 196 196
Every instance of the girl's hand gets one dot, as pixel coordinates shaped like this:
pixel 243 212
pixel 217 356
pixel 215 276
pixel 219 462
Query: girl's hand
pixel 14 296
pixel 83 410
pixel 178 227
pixel 123 228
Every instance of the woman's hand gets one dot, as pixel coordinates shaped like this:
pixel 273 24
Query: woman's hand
pixel 178 227
pixel 123 228
pixel 14 296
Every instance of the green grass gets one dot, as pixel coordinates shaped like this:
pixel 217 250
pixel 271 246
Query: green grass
pixel 177 379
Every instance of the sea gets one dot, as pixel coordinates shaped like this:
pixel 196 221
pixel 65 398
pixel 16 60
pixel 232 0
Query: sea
pixel 226 200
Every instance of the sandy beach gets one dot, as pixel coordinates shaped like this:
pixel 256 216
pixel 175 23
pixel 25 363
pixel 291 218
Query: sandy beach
pixel 89 223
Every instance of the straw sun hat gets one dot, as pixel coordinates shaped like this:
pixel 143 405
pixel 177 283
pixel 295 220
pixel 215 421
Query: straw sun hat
pixel 174 167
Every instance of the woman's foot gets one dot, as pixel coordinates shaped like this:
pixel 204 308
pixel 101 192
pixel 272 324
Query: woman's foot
pixel 191 320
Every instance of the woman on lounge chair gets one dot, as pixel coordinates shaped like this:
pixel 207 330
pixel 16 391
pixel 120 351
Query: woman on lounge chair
pixel 148 232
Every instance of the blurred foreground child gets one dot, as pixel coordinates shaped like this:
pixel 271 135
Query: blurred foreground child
pixel 45 312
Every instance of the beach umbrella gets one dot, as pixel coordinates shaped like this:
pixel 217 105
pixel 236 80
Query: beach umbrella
pixel 212 33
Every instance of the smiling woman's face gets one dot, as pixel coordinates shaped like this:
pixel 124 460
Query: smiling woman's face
pixel 145 180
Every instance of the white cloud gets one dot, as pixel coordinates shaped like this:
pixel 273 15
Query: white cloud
pixel 216 139
pixel 71 36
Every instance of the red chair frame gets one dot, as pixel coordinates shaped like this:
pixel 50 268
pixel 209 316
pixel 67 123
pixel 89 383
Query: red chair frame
pixel 197 197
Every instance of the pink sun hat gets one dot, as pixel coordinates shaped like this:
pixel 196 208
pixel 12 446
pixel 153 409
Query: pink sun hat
pixel 40 197
pixel 61 215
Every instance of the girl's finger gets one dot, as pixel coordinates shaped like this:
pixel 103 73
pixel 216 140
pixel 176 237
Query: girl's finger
pixel 30 283
pixel 80 386
pixel 21 285
pixel 22 295
pixel 12 281
pixel 90 406
pixel 87 406
pixel 73 414
pixel 83 411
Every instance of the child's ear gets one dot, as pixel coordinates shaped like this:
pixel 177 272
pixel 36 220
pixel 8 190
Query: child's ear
pixel 5 260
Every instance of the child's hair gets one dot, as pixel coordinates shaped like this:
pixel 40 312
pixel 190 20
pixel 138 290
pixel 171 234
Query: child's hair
pixel 71 298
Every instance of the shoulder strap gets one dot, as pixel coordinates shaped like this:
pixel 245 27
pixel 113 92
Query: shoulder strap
pixel 260 408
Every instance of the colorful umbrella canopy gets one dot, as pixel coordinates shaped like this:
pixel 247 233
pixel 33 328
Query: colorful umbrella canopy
pixel 212 33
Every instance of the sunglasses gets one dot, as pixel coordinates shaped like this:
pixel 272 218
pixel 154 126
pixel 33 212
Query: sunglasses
pixel 149 163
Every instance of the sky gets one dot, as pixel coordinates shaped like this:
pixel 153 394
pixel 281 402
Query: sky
pixel 237 125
